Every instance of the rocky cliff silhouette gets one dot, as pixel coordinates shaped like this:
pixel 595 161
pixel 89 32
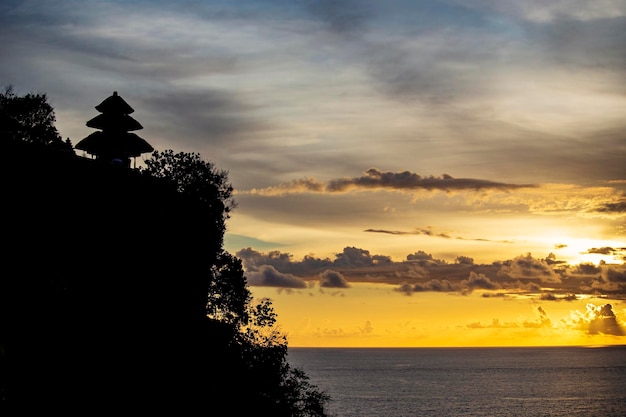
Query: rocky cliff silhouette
pixel 102 297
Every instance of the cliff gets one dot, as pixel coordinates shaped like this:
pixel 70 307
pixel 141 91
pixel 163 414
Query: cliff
pixel 104 287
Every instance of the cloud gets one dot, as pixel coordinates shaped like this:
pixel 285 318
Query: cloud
pixel 223 116
pixel 332 279
pixel 603 278
pixel 346 18
pixel 612 280
pixel 549 296
pixel 295 186
pixel 583 44
pixel 268 276
pixel 416 272
pixel 597 319
pixel 480 281
pixel 618 207
pixel 603 320
pixel 545 12
pixel 546 279
pixel 422 257
pixel 542 321
pixel 375 179
pixel 585 269
pixel 606 250
pixel 498 95
pixel 617 274
pixel 416 231
pixel 356 257
pixel 542 313
pixel 359 331
pixel 466 286
pixel 464 260
pixel 436 285
pixel 525 266
pixel 405 180
pixel 495 324
pixel 428 232
pixel 309 266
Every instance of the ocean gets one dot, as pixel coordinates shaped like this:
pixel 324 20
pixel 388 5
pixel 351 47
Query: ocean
pixel 437 382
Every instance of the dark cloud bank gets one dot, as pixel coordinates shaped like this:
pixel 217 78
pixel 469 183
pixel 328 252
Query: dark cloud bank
pixel 546 279
pixel 375 178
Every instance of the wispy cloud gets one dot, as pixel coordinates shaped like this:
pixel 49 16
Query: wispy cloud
pixel 416 231
pixel 429 232
pixel 375 179
pixel 617 207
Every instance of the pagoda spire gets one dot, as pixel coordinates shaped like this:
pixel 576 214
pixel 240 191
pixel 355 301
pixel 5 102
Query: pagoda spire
pixel 114 143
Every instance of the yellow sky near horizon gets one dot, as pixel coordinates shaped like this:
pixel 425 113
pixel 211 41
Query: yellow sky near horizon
pixel 375 315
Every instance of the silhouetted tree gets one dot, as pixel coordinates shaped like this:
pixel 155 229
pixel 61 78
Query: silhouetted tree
pixel 198 179
pixel 29 118
pixel 266 379
pixel 228 296
pixel 274 386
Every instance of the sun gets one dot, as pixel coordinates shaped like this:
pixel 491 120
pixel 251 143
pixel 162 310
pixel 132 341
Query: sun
pixel 577 251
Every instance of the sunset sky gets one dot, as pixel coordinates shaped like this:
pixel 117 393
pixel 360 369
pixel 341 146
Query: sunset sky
pixel 407 173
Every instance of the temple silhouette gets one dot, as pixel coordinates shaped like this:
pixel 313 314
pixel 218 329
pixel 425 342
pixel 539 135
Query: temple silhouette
pixel 114 143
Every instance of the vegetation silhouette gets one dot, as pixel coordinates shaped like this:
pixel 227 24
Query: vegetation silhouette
pixel 117 294
pixel 29 118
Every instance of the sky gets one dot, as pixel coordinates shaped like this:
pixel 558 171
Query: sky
pixel 406 173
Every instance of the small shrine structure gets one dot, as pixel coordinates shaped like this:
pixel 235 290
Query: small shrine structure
pixel 114 143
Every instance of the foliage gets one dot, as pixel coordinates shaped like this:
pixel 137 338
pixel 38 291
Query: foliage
pixel 278 387
pixel 228 297
pixel 262 346
pixel 199 179
pixel 300 396
pixel 29 118
pixel 268 380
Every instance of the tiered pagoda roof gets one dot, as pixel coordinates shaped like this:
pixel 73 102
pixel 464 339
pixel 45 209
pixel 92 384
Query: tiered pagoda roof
pixel 114 142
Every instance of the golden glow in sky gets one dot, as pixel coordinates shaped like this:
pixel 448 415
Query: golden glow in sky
pixel 437 173
pixel 375 315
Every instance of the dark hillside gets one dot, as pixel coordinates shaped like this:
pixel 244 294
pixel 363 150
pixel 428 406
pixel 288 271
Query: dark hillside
pixel 103 292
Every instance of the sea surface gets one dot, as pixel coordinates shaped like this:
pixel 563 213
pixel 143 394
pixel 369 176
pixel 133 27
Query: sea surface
pixel 534 381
